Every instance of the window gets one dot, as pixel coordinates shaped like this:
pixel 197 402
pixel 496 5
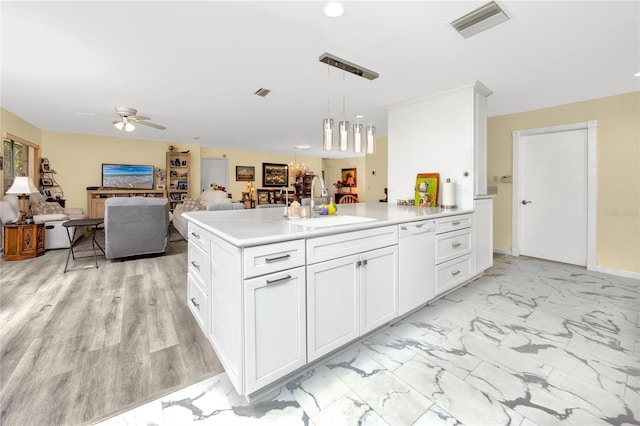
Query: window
pixel 16 161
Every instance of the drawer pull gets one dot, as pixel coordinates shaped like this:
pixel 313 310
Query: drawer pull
pixel 364 263
pixel 456 223
pixel 277 259
pixel 193 300
pixel 279 280
pixel 456 272
pixel 195 264
pixel 195 234
pixel 358 263
pixel 456 244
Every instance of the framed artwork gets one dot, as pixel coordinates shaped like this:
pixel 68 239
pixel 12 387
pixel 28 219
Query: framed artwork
pixel 349 177
pixel 182 184
pixel 245 173
pixel 427 188
pixel 45 167
pixel 275 174
pixel 47 194
pixel 47 182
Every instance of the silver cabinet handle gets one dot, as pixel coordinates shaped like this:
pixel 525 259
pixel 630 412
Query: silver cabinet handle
pixel 279 280
pixel 195 264
pixel 195 235
pixel 456 223
pixel 456 272
pixel 456 244
pixel 525 202
pixel 364 263
pixel 193 300
pixel 358 263
pixel 278 258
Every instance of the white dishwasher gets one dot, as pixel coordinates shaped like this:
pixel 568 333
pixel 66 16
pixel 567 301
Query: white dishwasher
pixel 417 260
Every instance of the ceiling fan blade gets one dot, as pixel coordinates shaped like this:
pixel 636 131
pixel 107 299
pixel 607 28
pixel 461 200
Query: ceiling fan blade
pixel 116 121
pixel 155 126
pixel 138 118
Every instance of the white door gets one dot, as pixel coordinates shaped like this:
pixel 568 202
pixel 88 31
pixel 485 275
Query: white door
pixel 214 170
pixel 553 196
pixel 379 288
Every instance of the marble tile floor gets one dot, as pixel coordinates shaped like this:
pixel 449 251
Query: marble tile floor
pixel 530 343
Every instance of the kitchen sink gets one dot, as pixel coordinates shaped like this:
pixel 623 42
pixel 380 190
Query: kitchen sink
pixel 324 221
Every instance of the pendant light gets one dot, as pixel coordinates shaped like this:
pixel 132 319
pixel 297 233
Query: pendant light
pixel 357 135
pixel 343 126
pixel 327 123
pixel 371 139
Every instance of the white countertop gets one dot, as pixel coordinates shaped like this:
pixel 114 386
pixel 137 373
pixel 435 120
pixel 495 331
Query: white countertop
pixel 251 227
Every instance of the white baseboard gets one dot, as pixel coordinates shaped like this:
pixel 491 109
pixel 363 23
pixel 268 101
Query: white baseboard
pixel 502 251
pixel 618 272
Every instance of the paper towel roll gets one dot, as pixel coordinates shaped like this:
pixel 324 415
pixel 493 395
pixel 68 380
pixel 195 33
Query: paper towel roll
pixel 448 194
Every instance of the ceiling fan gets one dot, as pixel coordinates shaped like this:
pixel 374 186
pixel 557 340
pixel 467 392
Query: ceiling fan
pixel 128 119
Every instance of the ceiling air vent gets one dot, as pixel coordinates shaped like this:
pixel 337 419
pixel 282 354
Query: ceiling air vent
pixel 262 92
pixel 347 66
pixel 481 19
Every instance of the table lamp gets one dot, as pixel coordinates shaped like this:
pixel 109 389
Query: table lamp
pixel 350 183
pixel 22 187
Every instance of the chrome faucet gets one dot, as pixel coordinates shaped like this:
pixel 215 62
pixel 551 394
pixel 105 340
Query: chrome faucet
pixel 323 193
pixel 286 202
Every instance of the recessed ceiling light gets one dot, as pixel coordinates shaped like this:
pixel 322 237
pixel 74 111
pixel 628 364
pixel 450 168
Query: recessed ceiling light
pixel 333 9
pixel 303 147
pixel 359 116
pixel 637 74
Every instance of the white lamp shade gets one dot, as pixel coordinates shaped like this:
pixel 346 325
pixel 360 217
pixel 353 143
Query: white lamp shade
pixel 119 125
pixel 327 134
pixel 128 127
pixel 357 138
pixel 371 140
pixel 22 185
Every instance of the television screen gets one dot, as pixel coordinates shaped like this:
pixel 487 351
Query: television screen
pixel 127 176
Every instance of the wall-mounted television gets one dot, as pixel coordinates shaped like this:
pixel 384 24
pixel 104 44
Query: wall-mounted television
pixel 127 176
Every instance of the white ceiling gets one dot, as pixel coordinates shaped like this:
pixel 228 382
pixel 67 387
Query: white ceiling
pixel 193 66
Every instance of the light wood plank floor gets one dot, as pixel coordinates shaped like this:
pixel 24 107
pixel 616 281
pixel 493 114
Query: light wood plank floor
pixel 82 346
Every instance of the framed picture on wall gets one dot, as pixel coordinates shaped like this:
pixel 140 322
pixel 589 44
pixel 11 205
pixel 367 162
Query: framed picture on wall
pixel 47 194
pixel 47 182
pixel 274 175
pixel 245 173
pixel 350 177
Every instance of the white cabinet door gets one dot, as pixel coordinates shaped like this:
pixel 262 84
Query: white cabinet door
pixel 379 287
pixel 483 235
pixel 275 339
pixel 333 299
pixel 416 270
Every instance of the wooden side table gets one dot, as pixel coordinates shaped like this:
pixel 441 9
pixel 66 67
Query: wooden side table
pixel 23 241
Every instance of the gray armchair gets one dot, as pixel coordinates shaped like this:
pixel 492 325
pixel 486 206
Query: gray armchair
pixel 135 226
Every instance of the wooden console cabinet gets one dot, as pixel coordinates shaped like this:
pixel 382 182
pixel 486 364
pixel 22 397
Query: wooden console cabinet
pixel 96 198
pixel 22 241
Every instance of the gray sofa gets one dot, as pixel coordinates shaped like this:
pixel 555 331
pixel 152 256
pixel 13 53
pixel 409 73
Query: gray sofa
pixel 135 226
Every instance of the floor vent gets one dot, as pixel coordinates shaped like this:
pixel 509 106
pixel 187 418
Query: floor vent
pixel 481 19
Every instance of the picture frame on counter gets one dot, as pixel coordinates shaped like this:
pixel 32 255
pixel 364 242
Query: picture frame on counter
pixel 427 189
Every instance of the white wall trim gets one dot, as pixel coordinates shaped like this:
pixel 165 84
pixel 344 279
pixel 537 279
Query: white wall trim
pixel 502 251
pixel 618 272
pixel 591 127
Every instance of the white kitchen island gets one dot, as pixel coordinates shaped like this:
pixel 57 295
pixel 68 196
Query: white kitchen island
pixel 274 295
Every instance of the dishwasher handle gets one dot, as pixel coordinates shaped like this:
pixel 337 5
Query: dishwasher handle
pixel 417 228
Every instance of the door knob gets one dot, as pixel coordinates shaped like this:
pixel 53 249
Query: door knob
pixel 525 202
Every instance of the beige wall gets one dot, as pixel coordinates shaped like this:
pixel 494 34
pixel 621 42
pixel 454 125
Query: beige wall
pixel 255 159
pixel 376 171
pixel 14 125
pixel 618 172
pixel 78 158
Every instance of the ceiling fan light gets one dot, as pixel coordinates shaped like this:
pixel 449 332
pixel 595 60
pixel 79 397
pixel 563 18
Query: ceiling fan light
pixel 129 127
pixel 119 125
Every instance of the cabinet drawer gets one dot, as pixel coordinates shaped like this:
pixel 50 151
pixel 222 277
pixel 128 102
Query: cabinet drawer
pixel 452 244
pixel 334 246
pixel 198 236
pixel 261 260
pixel 453 223
pixel 198 302
pixel 198 263
pixel 452 273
